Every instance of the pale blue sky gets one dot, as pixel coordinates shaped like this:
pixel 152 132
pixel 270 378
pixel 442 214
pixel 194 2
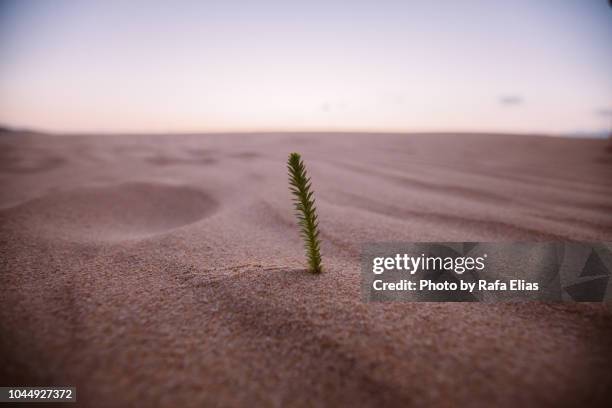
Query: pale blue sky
pixel 512 66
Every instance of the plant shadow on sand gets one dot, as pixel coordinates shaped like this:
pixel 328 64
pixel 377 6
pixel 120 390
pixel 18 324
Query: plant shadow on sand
pixel 257 277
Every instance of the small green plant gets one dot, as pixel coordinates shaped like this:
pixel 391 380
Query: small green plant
pixel 304 203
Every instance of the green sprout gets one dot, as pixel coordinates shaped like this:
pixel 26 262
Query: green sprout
pixel 300 186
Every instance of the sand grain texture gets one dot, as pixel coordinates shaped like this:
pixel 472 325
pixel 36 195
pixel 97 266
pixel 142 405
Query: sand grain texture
pixel 168 270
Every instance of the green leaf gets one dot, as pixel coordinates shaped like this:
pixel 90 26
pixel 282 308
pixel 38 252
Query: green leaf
pixel 303 202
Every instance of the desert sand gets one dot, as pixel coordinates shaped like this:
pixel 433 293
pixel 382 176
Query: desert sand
pixel 167 270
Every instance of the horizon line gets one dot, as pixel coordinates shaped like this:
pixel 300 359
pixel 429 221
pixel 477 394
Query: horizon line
pixel 601 134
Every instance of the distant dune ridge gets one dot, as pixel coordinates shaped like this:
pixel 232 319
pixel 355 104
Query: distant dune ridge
pixel 168 271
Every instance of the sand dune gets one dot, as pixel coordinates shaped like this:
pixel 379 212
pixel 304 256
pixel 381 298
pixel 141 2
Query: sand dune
pixel 114 213
pixel 168 271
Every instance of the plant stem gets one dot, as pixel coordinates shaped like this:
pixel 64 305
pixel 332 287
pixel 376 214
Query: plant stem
pixel 304 204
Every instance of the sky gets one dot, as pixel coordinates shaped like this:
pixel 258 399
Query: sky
pixel 179 66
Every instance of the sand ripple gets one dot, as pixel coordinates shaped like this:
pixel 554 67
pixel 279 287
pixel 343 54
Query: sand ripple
pixel 117 212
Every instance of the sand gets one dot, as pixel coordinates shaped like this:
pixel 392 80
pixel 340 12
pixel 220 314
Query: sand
pixel 167 270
